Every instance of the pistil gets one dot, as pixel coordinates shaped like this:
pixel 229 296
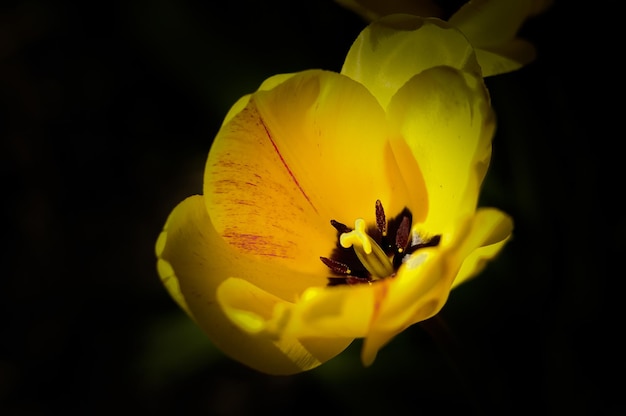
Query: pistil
pixel 373 258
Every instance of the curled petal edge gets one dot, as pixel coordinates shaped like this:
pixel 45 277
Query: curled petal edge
pixel 419 294
pixel 491 230
pixel 320 312
pixel 193 261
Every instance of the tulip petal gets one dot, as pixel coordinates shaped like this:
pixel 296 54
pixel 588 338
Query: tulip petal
pixel 489 232
pixel 166 273
pixel 264 316
pixel 423 284
pixel 393 49
pixel 491 26
pixel 311 149
pixel 193 254
pixel 418 292
pixel 506 58
pixel 327 313
pixel 268 84
pixel 489 23
pixel 442 116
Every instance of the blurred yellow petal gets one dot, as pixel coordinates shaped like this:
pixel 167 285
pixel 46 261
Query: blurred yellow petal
pixel 505 58
pixel 393 49
pixel 201 261
pixel 342 313
pixel 489 23
pixel 375 9
pixel 285 165
pixel 492 26
pixel 442 116
pixel 489 232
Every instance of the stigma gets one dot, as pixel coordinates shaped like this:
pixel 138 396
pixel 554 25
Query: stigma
pixel 371 255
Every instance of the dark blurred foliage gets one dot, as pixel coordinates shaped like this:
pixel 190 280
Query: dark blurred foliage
pixel 107 111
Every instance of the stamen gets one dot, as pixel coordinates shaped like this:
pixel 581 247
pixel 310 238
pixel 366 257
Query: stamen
pixel 381 220
pixel 336 266
pixel 403 233
pixel 342 228
pixel 367 250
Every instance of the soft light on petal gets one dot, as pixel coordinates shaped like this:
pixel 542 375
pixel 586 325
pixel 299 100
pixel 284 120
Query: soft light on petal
pixel 443 118
pixel 393 49
pixel 330 313
pixel 167 274
pixel 489 232
pixel 286 164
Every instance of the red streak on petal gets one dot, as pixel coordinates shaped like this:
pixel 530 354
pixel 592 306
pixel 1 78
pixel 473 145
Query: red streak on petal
pixel 269 136
pixel 257 244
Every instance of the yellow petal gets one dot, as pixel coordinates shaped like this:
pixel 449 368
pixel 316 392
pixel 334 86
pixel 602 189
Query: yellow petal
pixel 312 149
pixel 264 316
pixel 332 134
pixel 241 103
pixel 393 49
pixel 418 292
pixel 443 118
pixel 505 58
pixel 490 231
pixel 336 314
pixel 374 9
pixel 167 274
pixel 423 283
pixel 200 261
pixel 489 23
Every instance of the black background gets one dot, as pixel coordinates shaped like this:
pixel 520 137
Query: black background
pixel 107 111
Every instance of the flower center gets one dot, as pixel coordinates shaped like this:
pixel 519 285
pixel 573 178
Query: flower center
pixel 367 254
pixel 371 255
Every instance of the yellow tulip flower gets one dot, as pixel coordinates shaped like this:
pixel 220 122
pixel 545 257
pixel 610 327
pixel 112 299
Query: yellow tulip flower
pixel 490 25
pixel 342 205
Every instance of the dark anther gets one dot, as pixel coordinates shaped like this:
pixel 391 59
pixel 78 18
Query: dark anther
pixel 341 228
pixel 336 266
pixel 403 234
pixel 381 220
